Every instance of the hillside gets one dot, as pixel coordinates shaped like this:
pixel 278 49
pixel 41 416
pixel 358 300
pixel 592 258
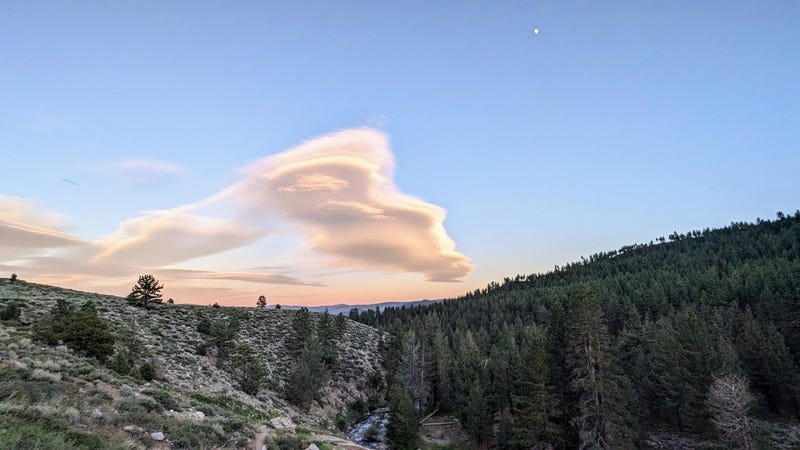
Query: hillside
pixel 195 399
pixel 623 349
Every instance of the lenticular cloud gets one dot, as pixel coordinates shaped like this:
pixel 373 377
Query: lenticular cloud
pixel 339 189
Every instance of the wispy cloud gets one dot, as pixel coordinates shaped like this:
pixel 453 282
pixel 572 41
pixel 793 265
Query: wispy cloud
pixel 25 230
pixel 140 171
pixel 249 277
pixel 162 238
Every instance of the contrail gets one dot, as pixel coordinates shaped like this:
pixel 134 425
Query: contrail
pixel 71 182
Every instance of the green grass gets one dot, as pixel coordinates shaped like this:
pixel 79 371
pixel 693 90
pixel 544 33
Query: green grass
pixel 29 429
pixel 223 405
pixel 196 435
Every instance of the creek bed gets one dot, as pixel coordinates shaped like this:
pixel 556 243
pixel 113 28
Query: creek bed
pixel 370 430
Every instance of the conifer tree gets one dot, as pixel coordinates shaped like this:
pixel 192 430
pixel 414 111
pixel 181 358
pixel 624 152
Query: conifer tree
pixel 326 335
pixel 535 404
pixel 308 376
pixel 401 431
pixel 146 292
pixel 602 419
pixel 412 368
pixel 301 331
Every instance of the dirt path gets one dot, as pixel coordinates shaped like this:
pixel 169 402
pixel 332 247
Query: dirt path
pixel 261 435
pixel 339 442
pixel 264 431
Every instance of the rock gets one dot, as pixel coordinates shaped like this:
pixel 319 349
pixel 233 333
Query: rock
pixel 281 423
pixel 312 447
pixel 200 414
pixel 17 363
pixel 157 436
pixel 125 390
pixel 131 428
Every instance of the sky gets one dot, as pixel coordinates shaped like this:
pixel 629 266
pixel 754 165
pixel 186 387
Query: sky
pixel 325 152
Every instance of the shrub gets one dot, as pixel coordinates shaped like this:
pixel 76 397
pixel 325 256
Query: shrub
pixel 122 363
pixel 197 435
pixel 204 326
pixel 13 277
pixel 11 311
pixel 286 442
pixel 164 398
pixel 147 371
pixel 83 330
pixel 44 375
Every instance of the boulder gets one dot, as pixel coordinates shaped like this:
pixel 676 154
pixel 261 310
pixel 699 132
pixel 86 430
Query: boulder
pixel 157 436
pixel 282 423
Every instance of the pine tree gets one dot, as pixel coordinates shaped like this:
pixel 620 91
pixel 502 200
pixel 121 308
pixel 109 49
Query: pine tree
pixel 249 368
pixel 308 376
pixel 146 292
pixel 602 411
pixel 301 331
pixel 535 404
pixel 401 431
pixel 477 417
pixel 261 302
pixel 326 335
pixel 412 368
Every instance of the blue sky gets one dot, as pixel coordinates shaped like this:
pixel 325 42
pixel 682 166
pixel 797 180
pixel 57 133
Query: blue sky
pixel 617 123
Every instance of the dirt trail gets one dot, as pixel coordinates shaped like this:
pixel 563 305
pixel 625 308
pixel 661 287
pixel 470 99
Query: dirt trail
pixel 261 435
pixel 264 431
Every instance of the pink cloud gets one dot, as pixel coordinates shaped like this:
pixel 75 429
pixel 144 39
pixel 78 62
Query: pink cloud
pixel 339 189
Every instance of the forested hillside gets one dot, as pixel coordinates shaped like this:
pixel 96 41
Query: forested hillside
pixel 694 338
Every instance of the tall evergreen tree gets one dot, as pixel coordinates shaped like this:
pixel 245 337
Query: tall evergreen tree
pixel 602 417
pixel 307 377
pixel 535 403
pixel 401 431
pixel 301 331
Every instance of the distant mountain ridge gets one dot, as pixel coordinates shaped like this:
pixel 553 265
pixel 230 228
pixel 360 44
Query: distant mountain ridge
pixel 345 309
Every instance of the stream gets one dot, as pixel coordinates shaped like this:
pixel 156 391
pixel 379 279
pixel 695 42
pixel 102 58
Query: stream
pixel 370 430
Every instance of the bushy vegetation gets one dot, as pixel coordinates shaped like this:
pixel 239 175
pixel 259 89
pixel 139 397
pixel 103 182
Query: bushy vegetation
pixel 147 371
pixel 10 311
pixel 82 330
pixel 24 428
pixel 601 352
